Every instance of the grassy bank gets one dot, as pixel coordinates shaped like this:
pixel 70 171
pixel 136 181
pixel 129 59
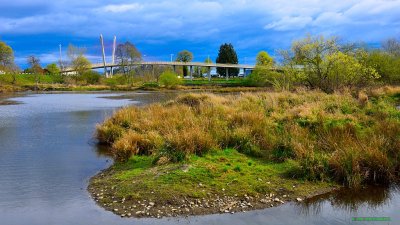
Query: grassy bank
pixel 218 182
pixel 309 137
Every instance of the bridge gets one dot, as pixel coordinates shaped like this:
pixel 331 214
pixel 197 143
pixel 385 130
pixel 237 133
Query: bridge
pixel 172 64
pixel 106 65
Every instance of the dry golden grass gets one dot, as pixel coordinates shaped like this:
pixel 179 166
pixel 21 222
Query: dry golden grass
pixel 330 136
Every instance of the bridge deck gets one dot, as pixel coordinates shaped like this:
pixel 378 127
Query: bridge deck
pixel 200 64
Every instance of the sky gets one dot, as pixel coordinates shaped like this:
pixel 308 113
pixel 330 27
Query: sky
pixel 160 28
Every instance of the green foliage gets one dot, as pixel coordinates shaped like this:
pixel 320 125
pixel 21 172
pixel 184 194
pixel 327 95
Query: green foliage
pixel 264 76
pixel 79 62
pixel 386 65
pixel 91 77
pixel 54 72
pixel 264 59
pixel 347 71
pixel 6 57
pixel 227 55
pixel 184 56
pixel 169 79
pixel 53 69
pixel 325 64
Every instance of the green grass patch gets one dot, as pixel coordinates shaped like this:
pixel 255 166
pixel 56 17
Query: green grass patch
pixel 226 172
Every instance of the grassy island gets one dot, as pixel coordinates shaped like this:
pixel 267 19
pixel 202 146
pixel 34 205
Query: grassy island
pixel 204 153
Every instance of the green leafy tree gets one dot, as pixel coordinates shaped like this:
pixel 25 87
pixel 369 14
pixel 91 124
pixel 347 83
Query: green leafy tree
pixel 6 57
pixel 55 73
pixel 263 74
pixel 53 69
pixel 184 56
pixel 227 55
pixel 79 63
pixel 264 59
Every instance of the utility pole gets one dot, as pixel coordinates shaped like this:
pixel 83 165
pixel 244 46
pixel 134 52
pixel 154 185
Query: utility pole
pixel 113 54
pixel 104 55
pixel 61 65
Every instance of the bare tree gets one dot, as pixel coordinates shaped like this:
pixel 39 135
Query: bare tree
pixel 126 54
pixel 392 46
pixel 34 63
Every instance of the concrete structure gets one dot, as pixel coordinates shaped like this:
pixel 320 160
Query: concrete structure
pixel 104 55
pixel 246 68
pixel 113 54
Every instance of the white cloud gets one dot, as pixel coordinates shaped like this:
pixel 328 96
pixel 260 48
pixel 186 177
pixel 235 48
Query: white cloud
pixel 330 18
pixel 121 8
pixel 247 23
pixel 289 23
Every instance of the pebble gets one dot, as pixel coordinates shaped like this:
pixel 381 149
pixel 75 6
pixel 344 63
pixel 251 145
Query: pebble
pixel 299 199
pixel 115 210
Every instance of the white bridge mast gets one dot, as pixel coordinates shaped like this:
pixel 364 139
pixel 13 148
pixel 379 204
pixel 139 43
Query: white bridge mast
pixel 113 54
pixel 104 55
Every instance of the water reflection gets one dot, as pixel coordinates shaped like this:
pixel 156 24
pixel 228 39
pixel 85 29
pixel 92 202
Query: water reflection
pixel 351 200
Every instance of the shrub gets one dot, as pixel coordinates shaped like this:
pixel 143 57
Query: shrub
pixel 169 79
pixel 91 77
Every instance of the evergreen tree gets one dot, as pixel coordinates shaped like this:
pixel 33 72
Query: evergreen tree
pixel 227 55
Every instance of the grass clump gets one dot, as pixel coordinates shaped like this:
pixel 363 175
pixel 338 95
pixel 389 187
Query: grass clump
pixel 352 139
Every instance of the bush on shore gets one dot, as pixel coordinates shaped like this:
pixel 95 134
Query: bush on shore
pixel 350 139
pixel 169 79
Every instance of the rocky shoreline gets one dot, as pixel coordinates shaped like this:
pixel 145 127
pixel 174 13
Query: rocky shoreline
pixel 214 203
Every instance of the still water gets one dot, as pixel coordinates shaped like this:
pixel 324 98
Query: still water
pixel 48 154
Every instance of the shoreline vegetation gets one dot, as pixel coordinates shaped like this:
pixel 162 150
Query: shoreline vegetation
pixel 216 85
pixel 206 153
